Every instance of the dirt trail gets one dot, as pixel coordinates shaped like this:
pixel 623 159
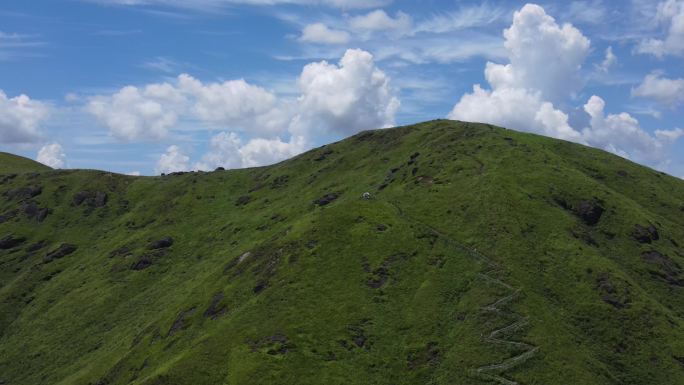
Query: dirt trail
pixel 501 336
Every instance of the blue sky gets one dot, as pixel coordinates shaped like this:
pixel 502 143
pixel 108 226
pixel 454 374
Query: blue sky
pixel 150 86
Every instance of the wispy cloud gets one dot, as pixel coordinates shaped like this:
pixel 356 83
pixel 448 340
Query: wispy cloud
pixel 15 46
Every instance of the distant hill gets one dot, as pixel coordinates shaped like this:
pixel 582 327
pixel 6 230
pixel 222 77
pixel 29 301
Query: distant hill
pixel 483 256
pixel 10 163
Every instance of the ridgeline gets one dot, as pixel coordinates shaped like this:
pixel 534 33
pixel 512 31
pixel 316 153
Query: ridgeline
pixel 482 256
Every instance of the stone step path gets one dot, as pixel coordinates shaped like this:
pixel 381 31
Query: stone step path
pixel 502 336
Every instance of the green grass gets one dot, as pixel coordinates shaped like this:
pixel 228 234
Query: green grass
pixel 10 163
pixel 599 311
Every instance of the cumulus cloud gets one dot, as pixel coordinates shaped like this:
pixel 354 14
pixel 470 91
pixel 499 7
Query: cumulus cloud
pixel 260 127
pixel 173 160
pixel 545 60
pixel 139 113
pixel 20 118
pixel 666 91
pixel 379 20
pixel 608 61
pixel 52 155
pixel 320 33
pixel 671 15
pixel 151 111
pixel 516 108
pixel 622 134
pixel 235 104
pixel 227 150
pixel 543 55
pixel 348 97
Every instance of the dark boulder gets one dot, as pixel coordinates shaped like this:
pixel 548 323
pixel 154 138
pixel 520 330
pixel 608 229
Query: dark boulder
pixel 645 234
pixel 10 242
pixel 143 262
pixel 34 212
pixel 216 308
pixel 664 268
pixel 62 251
pixel 23 193
pixel 589 211
pixel 163 243
pixel 6 178
pixel 326 199
pixel 90 198
pixel 182 321
pixel 243 200
pixel 4 217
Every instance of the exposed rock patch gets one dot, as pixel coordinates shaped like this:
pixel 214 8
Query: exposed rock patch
pixel 326 199
pixel 62 251
pixel 216 307
pixel 10 242
pixel 243 200
pixel 589 212
pixel 182 321
pixel 645 234
pixel 163 243
pixel 91 199
pixel 610 294
pixel 427 356
pixel 4 217
pixel 666 269
pixel 23 193
pixel 277 344
pixel 34 212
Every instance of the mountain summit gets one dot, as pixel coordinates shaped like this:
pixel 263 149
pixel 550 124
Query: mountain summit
pixel 479 255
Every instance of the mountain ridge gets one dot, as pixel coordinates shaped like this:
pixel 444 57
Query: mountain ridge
pixel 285 274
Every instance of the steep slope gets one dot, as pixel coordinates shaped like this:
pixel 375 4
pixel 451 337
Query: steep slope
pixel 10 164
pixel 483 256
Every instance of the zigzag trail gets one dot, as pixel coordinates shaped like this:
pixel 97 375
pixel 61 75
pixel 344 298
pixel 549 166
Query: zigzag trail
pixel 495 371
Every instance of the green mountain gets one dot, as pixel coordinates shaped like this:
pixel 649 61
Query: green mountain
pixel 10 163
pixel 482 256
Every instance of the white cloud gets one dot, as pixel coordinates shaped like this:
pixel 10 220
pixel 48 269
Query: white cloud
pixel 52 155
pixel 543 55
pixel 133 173
pixel 14 46
pixel 333 99
pixel 134 113
pixel 212 5
pixel 670 14
pixel 545 60
pixel 20 118
pixel 173 160
pixel 608 61
pixel 162 64
pixel 235 104
pixel 321 34
pixel 378 20
pixel 151 111
pixel 515 108
pixel 349 97
pixel 260 151
pixel 622 134
pixel 227 150
pixel 589 12
pixel 466 17
pixel 666 91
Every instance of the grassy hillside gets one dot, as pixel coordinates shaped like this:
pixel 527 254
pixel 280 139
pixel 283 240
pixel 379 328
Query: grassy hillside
pixel 483 256
pixel 10 163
